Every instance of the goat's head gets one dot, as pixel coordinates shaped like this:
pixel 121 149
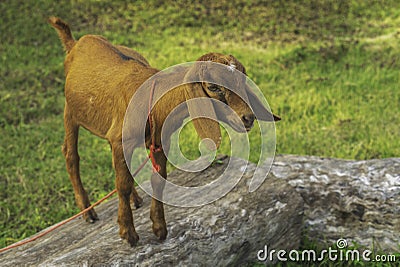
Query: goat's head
pixel 214 80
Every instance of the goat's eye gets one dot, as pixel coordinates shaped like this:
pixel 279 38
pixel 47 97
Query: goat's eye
pixel 214 88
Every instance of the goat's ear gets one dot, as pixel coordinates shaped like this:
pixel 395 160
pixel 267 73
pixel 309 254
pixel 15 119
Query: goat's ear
pixel 201 109
pixel 258 108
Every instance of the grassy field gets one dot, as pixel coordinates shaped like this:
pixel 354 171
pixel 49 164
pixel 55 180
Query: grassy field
pixel 330 69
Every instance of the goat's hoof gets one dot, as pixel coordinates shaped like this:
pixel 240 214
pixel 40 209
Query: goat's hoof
pixel 137 201
pixel 131 237
pixel 160 230
pixel 90 216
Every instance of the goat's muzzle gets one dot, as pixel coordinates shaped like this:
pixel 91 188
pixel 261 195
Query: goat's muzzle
pixel 248 121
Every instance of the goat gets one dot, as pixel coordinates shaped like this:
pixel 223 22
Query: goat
pixel 101 78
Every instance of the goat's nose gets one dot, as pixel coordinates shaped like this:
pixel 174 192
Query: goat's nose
pixel 248 120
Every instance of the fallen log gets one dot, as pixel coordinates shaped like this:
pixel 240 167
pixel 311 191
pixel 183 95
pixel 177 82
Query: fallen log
pixel 322 199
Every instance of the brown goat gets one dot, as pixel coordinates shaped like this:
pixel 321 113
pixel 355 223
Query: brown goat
pixel 101 78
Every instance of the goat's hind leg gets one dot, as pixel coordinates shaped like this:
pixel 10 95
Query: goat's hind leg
pixel 70 151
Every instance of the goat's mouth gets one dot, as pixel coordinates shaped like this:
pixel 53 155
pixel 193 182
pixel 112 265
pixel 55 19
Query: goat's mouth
pixel 248 128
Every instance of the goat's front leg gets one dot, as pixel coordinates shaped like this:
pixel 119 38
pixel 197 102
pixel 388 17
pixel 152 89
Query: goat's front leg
pixel 157 208
pixel 125 185
pixel 70 151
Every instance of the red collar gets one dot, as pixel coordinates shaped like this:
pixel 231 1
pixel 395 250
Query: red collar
pixel 153 148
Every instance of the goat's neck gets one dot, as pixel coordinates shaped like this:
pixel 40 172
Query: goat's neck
pixel 163 108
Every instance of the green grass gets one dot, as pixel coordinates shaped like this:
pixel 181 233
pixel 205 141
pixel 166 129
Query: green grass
pixel 330 69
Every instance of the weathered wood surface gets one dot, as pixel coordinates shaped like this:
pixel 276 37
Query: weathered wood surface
pixel 325 199
pixel 355 200
pixel 229 231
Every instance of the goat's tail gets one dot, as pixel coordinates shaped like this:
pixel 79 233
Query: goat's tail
pixel 64 32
